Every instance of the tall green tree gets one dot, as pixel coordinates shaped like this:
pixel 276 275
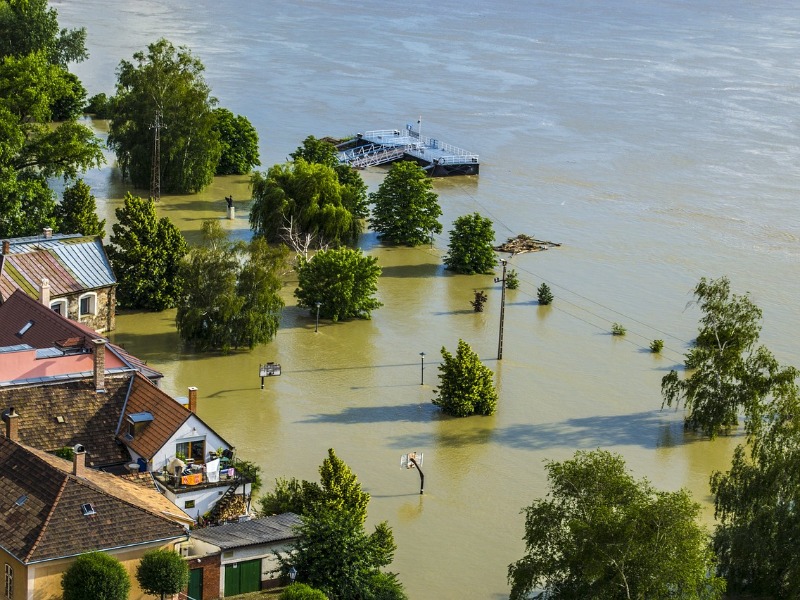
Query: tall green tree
pixel 230 295
pixel 470 250
pixel 756 501
pixel 96 576
pixel 31 147
pixel 354 190
pixel 306 197
pixel 77 212
pixel 238 142
pixel 146 253
pixel 30 26
pixel 343 281
pixel 406 209
pixel 466 385
pixel 162 572
pixel 168 82
pixel 333 552
pixel 602 535
pixel 728 371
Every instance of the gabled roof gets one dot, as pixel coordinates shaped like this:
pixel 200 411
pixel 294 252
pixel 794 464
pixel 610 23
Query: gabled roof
pixel 87 417
pixel 50 330
pixel 142 491
pixel 265 530
pixel 71 263
pixel 41 516
pixel 169 415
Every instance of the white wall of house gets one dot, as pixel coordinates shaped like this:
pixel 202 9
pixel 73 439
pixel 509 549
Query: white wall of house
pixel 192 430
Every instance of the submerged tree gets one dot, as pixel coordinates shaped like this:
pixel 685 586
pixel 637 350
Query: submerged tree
pixel 756 502
pixel 145 253
pixel 406 209
pixel 238 143
pixel 230 293
pixel 308 195
pixel 728 371
pixel 343 281
pixel 470 250
pixel 165 83
pixel 601 535
pixel 466 385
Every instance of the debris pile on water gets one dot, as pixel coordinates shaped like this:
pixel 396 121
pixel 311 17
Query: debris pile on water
pixel 525 243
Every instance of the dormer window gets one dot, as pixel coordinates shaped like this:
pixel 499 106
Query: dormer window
pixel 137 422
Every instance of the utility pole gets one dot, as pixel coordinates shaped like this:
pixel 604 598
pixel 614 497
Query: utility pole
pixel 502 281
pixel 155 169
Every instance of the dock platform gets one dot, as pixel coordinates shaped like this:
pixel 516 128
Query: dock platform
pixel 389 145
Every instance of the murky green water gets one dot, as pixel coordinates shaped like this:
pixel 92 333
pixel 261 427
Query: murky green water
pixel 657 142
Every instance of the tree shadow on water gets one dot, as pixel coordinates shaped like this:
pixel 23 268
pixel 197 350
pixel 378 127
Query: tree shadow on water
pixel 411 413
pixel 649 429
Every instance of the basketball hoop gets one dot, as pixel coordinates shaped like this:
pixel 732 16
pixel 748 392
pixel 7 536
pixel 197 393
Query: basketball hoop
pixel 413 460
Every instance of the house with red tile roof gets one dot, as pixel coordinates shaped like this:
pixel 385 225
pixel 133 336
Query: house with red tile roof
pixel 52 513
pixel 68 273
pixel 82 390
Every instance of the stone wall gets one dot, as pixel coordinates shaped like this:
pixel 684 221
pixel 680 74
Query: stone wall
pixel 104 319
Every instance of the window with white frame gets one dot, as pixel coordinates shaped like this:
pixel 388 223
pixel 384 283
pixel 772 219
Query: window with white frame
pixel 9 582
pixel 88 304
pixel 59 306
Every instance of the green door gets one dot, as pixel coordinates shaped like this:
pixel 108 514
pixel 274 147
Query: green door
pixel 243 577
pixel 196 584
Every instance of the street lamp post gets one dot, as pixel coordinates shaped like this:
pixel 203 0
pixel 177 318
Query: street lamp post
pixel 502 281
pixel 422 368
pixel 316 325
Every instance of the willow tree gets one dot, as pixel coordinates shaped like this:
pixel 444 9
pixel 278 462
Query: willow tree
pixel 728 371
pixel 165 86
pixel 231 292
pixel 602 535
pixel 306 197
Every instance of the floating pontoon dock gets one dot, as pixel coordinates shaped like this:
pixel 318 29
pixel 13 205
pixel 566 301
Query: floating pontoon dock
pixel 389 145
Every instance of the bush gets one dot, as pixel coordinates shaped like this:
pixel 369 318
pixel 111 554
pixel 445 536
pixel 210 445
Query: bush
pixel 470 250
pixel 96 576
pixel 466 385
pixel 617 329
pixel 656 346
pixel 301 591
pixel 162 572
pixel 544 294
pixel 512 280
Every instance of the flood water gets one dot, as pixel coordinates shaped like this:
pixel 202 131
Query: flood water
pixel 657 141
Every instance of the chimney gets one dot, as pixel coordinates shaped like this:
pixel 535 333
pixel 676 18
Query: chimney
pixel 99 364
pixel 6 246
pixel 12 424
pixel 193 399
pixel 79 461
pixel 44 292
pixel 47 232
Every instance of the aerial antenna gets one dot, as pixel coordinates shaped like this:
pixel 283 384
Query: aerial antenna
pixel 155 168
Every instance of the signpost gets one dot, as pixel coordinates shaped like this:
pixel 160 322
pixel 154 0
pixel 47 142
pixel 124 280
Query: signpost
pixel 268 370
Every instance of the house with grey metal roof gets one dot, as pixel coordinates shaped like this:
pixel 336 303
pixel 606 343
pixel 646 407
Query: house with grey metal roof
pixel 240 557
pixel 69 273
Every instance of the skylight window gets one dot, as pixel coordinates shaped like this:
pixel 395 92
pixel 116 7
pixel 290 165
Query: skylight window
pixel 88 510
pixel 25 328
pixel 21 500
